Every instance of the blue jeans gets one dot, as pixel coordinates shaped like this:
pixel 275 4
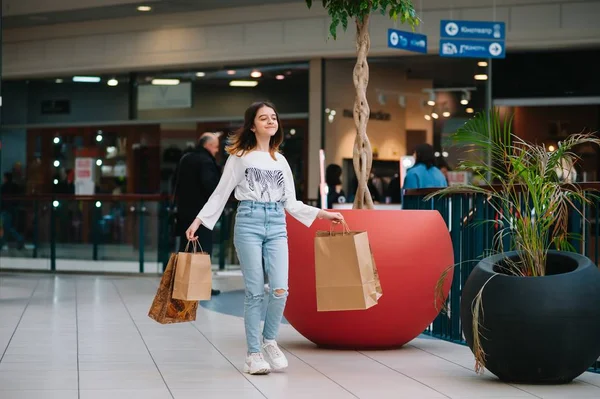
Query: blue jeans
pixel 260 234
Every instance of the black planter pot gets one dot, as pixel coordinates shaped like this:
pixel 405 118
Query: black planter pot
pixel 537 329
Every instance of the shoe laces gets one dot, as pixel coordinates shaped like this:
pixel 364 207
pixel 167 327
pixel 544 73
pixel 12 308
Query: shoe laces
pixel 273 350
pixel 257 357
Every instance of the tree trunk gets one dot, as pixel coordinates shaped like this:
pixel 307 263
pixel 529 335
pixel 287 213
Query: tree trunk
pixel 363 154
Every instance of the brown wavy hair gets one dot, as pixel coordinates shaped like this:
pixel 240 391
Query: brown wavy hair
pixel 243 140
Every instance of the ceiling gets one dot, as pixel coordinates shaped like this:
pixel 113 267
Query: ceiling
pixel 296 72
pixel 128 10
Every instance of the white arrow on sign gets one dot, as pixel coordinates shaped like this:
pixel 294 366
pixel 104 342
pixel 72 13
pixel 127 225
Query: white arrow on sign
pixel 495 49
pixel 451 29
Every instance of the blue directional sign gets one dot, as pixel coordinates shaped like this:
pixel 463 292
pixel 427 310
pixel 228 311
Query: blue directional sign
pixel 473 30
pixel 407 41
pixel 472 48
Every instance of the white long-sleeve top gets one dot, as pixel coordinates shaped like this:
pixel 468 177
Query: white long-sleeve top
pixel 256 176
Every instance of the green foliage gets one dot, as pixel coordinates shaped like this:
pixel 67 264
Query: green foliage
pixel 523 185
pixel 342 10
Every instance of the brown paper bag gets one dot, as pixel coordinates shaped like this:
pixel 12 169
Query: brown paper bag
pixel 378 290
pixel 346 275
pixel 193 275
pixel 165 309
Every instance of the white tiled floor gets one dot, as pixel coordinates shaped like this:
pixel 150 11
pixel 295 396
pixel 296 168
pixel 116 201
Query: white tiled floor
pixel 87 337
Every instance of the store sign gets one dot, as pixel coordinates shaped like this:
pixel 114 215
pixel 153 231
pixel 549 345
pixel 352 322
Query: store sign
pixel 407 41
pixel 84 176
pixel 473 30
pixel 459 178
pixel 472 49
pixel 472 39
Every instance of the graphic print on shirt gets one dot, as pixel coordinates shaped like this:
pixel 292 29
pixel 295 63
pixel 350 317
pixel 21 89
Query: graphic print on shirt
pixel 270 183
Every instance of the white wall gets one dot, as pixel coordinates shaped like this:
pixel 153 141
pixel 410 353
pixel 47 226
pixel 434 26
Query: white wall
pixel 271 33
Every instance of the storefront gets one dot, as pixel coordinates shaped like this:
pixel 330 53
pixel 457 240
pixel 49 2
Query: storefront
pixel 413 100
pixel 135 127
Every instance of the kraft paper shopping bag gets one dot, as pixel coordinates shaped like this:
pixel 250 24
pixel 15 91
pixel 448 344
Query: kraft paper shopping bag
pixel 346 275
pixel 165 309
pixel 193 275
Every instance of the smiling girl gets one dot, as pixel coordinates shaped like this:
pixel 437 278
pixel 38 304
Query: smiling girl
pixel 264 185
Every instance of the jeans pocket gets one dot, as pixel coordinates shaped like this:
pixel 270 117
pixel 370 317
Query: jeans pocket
pixel 243 211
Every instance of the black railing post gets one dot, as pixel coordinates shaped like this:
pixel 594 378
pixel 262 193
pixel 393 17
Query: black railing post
pixel 36 226
pixel 95 230
pixel 456 236
pixel 142 235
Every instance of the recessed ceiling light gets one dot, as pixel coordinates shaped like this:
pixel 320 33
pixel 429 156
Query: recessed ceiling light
pixel 427 117
pixel 165 82
pixel 482 63
pixel 256 74
pixel 231 72
pixel 464 101
pixel 446 114
pixel 482 76
pixel 470 110
pixel 113 82
pixel 200 74
pixel 59 80
pixel 144 8
pixel 86 79
pixel 279 77
pixel 434 115
pixel 243 83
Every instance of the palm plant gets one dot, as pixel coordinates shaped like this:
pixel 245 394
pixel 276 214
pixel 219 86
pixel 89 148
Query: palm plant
pixel 522 183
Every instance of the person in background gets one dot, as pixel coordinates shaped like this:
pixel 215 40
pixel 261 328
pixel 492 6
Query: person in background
pixel 333 179
pixel 393 190
pixel 196 178
pixel 442 165
pixel 19 176
pixel 424 174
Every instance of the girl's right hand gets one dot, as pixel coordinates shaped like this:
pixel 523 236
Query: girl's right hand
pixel 190 233
pixel 335 217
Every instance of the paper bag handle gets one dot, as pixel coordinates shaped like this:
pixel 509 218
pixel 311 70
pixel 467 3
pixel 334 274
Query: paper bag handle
pixel 195 245
pixel 345 230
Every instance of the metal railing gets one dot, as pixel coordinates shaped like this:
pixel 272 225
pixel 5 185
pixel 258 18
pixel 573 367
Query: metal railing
pixel 115 233
pixel 135 233
pixel 472 240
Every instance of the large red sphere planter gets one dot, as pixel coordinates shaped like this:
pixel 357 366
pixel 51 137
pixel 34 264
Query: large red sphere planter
pixel 411 250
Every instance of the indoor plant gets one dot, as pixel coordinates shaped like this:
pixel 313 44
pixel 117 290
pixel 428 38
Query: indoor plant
pixel 532 314
pixel 360 11
pixel 414 259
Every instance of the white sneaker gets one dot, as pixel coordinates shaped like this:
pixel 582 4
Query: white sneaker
pixel 274 355
pixel 256 364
